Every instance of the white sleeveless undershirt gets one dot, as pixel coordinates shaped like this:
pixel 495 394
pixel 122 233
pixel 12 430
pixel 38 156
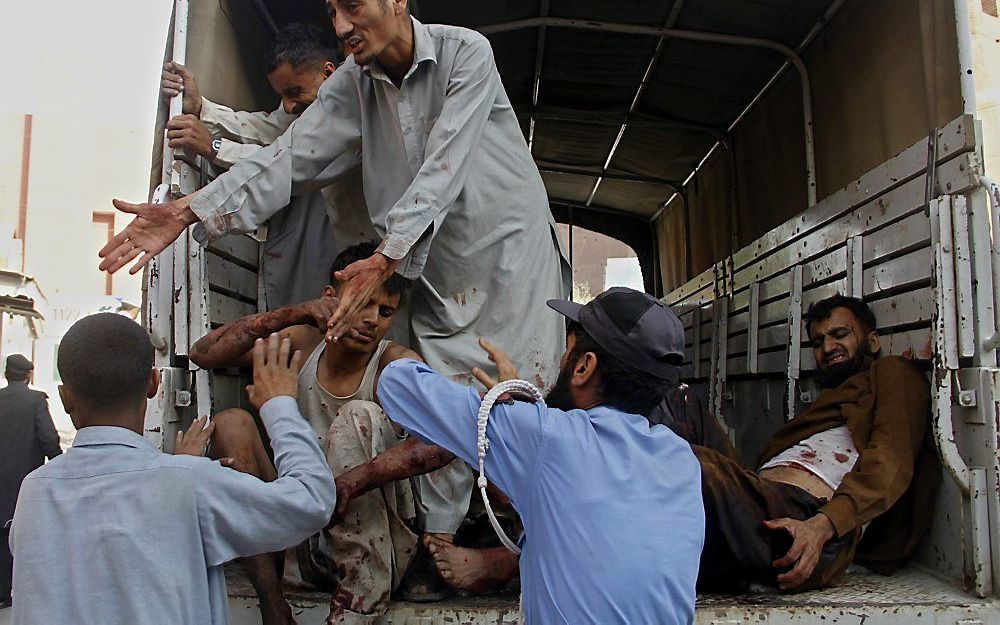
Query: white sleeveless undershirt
pixel 829 455
pixel 318 405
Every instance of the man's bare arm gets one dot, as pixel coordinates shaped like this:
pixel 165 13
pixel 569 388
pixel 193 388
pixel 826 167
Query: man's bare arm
pixel 231 344
pixel 413 457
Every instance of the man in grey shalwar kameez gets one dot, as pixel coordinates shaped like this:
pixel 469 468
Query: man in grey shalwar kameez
pixel 449 182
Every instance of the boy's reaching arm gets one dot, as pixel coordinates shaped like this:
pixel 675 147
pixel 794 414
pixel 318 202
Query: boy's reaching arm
pixel 241 515
pixel 230 345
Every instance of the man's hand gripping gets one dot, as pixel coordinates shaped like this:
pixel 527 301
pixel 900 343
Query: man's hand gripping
pixel 808 538
pixel 360 279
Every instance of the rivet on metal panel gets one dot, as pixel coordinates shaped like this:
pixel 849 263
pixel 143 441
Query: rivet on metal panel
pixel 806 397
pixel 182 398
pixel 967 399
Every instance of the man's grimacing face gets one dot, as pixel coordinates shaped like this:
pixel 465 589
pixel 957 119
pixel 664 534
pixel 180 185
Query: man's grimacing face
pixel 840 343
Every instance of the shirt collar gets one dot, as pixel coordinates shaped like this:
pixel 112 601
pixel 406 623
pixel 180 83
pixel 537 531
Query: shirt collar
pixel 423 50
pixel 110 435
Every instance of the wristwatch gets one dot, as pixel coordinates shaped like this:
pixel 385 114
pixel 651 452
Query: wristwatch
pixel 216 146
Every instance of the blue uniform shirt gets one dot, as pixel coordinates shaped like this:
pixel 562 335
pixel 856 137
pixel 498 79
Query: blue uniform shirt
pixel 612 509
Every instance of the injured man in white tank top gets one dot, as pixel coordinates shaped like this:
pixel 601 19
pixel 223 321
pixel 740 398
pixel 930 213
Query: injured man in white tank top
pixel 829 455
pixel 361 557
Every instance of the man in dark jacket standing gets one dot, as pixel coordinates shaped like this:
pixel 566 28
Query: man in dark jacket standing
pixel 27 438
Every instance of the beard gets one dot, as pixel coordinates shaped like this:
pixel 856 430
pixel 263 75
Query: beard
pixel 559 396
pixel 833 376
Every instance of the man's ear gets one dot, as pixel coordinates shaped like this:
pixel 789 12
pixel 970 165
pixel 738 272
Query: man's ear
pixel 328 68
pixel 329 291
pixel 154 384
pixel 584 369
pixel 399 7
pixel 66 396
pixel 874 342
pixel 67 400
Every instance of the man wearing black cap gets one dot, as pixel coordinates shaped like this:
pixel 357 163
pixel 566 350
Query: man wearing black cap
pixel 587 474
pixel 27 438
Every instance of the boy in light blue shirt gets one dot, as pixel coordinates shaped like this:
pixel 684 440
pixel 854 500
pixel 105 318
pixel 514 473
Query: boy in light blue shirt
pixel 114 531
pixel 612 508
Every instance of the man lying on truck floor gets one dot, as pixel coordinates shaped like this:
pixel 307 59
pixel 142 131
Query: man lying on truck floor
pixel 362 557
pixel 611 508
pixel 113 531
pixel 300 242
pixel 852 475
pixel 851 478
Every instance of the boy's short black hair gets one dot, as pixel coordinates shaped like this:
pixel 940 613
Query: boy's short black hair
pixel 298 44
pixel 395 285
pixel 106 360
pixel 821 310
pixel 622 387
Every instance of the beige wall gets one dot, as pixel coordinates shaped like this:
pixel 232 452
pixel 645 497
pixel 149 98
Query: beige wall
pixel 884 73
pixel 69 180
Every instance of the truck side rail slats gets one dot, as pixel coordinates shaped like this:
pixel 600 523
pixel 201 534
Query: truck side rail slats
pixel 872 238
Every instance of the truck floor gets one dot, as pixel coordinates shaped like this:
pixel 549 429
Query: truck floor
pixel 910 596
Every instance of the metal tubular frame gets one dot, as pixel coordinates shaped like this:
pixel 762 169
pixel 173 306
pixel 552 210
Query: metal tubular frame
pixel 583 171
pixel 539 55
pixel 672 33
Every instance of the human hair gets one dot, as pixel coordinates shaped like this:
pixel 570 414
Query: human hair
pixel 13 376
pixel 298 44
pixel 821 310
pixel 395 285
pixel 106 360
pixel 623 387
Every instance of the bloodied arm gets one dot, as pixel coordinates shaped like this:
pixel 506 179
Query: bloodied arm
pixel 231 345
pixel 412 458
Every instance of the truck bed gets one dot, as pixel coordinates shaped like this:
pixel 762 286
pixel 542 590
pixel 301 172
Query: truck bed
pixel 911 596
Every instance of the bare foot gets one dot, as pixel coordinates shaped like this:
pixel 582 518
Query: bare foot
pixel 276 613
pixel 476 570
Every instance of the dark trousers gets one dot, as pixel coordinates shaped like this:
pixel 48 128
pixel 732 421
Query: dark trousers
pixel 6 565
pixel 738 548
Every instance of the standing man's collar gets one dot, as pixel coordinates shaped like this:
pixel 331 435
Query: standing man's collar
pixel 423 50
pixel 110 435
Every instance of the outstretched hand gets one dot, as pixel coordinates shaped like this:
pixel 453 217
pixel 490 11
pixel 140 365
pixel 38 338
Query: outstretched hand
pixel 275 370
pixel 154 228
pixel 506 370
pixel 359 279
pixel 808 538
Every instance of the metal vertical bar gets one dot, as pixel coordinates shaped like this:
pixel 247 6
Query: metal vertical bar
pixel 963 31
pixel 753 328
pixel 794 338
pixel 720 345
pixel 696 341
pixel 855 267
pixel 979 523
pixel 944 269
pixel 963 277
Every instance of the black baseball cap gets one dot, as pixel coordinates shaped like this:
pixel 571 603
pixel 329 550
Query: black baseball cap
pixel 632 326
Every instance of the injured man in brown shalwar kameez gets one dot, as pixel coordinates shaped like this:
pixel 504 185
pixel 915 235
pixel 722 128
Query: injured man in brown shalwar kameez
pixel 851 478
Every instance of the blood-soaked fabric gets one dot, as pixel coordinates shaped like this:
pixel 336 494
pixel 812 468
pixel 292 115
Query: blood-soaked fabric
pixel 738 548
